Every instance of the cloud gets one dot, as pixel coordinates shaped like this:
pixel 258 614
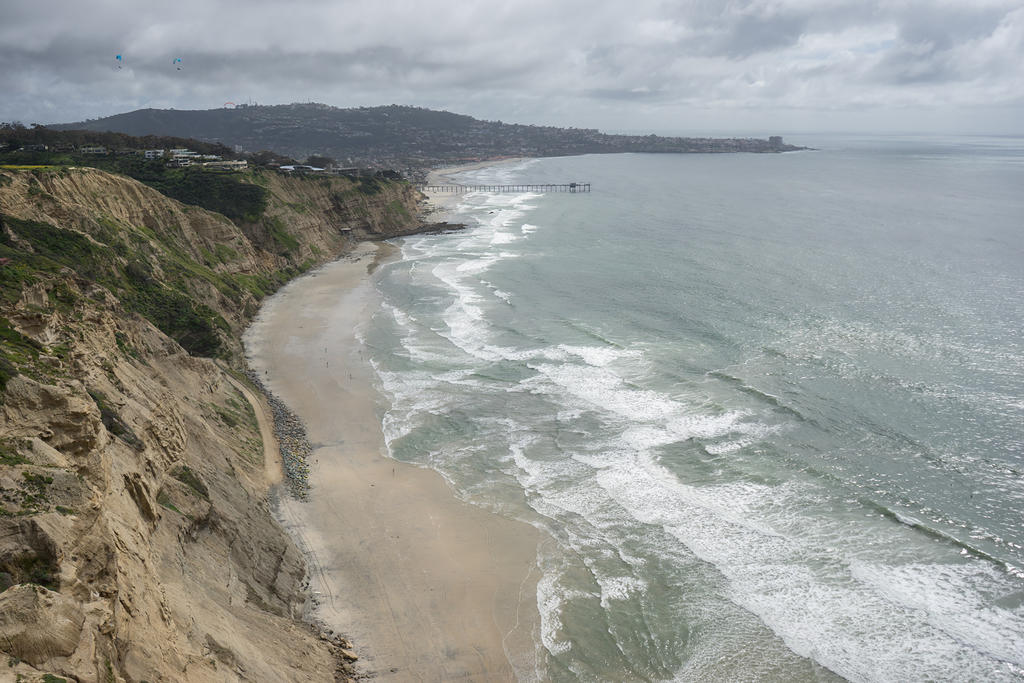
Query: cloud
pixel 570 63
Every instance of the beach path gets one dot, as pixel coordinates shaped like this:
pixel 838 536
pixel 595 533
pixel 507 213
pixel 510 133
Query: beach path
pixel 272 470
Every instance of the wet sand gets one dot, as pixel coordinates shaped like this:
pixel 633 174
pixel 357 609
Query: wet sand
pixel 427 588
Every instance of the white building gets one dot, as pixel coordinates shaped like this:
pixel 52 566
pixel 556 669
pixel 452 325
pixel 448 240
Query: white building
pixel 239 165
pixel 183 157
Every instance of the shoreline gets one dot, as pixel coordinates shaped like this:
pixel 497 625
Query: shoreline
pixel 425 586
pixel 441 205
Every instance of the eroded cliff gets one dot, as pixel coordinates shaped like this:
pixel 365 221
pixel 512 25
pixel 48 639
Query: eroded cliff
pixel 136 536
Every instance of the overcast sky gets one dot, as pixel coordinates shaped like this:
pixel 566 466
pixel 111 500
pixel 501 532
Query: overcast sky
pixel 642 65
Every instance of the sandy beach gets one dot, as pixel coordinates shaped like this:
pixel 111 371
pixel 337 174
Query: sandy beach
pixel 442 204
pixel 428 588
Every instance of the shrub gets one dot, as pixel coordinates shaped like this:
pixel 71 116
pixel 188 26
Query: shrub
pixel 113 422
pixel 15 348
pixel 191 324
pixel 185 475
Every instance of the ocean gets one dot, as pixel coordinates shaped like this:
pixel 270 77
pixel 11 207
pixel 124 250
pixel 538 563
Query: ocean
pixel 768 408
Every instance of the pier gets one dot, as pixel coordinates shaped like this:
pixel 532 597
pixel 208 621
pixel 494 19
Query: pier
pixel 461 189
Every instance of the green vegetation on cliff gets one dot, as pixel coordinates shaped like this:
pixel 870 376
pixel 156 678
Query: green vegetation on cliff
pixel 196 292
pixel 16 349
pixel 168 305
pixel 229 194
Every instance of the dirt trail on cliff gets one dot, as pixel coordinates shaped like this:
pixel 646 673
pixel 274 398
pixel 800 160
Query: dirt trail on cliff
pixel 272 470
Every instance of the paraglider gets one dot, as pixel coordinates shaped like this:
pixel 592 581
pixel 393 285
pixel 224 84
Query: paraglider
pixel 177 63
pixel 120 61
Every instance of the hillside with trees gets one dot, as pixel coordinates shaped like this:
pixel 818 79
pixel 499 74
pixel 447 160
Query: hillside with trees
pixel 398 137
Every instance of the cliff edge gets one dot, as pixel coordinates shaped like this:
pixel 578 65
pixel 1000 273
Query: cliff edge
pixel 137 540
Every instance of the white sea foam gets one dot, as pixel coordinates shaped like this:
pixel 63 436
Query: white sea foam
pixel 811 598
pixel 500 174
pixel 550 599
pixel 479 265
pixel 460 268
pixel 395 426
pixel 414 339
pixel 736 444
pixel 950 598
pixel 599 356
pixel 618 588
pixel 778 567
pixel 503 237
pixel 607 391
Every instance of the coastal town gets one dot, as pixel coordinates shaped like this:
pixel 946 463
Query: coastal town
pixel 180 157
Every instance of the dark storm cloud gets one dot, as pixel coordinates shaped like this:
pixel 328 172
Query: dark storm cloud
pixel 572 62
pixel 753 34
pixel 916 63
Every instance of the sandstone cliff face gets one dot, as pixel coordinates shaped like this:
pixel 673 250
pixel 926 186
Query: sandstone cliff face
pixel 136 536
pixel 324 209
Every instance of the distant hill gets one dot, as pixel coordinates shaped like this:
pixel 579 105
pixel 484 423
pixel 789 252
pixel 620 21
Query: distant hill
pixel 394 136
